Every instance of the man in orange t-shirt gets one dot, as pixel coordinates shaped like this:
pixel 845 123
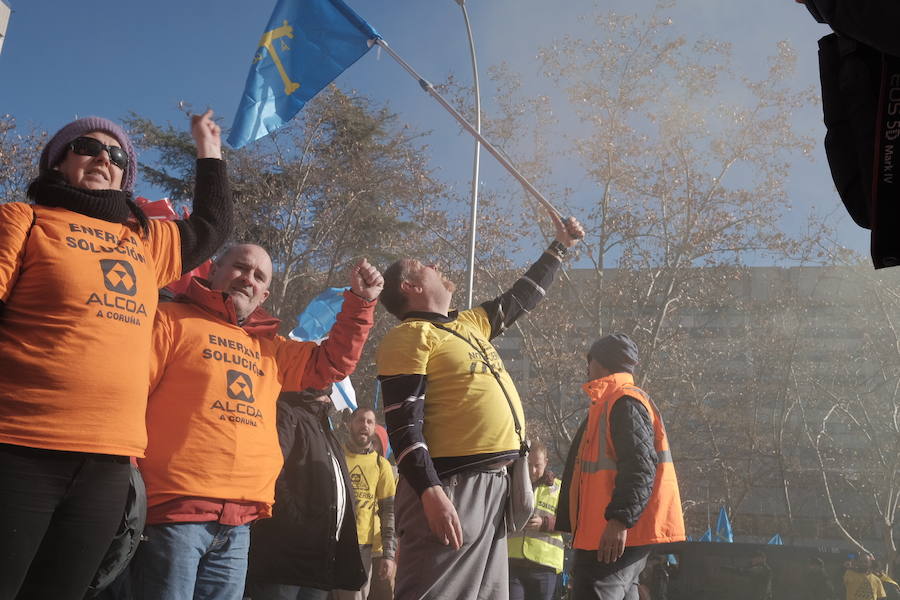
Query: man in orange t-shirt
pixel 213 454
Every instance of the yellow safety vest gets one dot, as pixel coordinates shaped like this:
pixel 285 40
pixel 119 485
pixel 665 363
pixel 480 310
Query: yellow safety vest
pixel 541 547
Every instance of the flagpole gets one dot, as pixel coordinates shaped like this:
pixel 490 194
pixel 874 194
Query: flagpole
pixel 477 163
pixel 426 85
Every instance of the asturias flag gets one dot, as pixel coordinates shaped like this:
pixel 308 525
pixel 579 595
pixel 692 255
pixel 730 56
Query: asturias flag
pixel 320 314
pixel 313 325
pixel 305 46
pixel 723 527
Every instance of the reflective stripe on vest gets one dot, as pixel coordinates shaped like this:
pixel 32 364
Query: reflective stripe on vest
pixel 604 462
pixel 540 547
pixel 595 473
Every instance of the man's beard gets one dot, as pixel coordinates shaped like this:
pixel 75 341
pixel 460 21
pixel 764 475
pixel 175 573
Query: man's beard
pixel 361 444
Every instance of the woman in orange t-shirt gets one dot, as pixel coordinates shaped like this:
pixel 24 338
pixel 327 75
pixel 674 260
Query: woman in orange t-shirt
pixel 79 272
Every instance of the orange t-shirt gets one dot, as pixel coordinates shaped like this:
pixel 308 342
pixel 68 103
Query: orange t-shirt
pixel 211 415
pixel 79 294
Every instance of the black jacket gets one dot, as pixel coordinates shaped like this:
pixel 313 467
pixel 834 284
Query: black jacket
pixel 633 439
pixel 859 66
pixel 297 545
pixel 757 581
pixel 871 22
pixel 817 585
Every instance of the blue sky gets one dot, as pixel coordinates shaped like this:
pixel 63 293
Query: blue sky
pixel 63 59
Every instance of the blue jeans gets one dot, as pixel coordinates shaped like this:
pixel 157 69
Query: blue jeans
pixel 531 583
pixel 185 561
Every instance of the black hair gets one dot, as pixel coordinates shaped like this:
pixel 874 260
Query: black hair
pixel 360 409
pixel 140 215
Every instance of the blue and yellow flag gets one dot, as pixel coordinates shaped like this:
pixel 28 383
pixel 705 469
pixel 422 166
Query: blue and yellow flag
pixel 305 46
pixel 723 527
pixel 320 314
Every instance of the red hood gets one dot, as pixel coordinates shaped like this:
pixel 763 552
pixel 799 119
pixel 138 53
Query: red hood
pixel 259 323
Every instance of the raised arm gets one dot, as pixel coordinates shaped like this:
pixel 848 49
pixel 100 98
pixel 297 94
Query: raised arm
pixel 337 356
pixel 210 221
pixel 531 287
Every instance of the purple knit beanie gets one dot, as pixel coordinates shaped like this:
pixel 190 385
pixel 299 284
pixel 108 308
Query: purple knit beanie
pixel 55 150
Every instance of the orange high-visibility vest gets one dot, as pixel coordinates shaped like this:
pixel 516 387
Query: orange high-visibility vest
pixel 594 476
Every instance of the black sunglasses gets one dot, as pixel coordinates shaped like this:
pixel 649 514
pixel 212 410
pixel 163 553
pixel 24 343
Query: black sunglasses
pixel 86 146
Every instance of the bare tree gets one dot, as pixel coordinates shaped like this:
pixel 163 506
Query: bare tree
pixel 342 181
pixel 851 418
pixel 19 154
pixel 686 160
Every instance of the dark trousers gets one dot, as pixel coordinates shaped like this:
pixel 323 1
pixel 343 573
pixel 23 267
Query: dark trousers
pixel 277 591
pixel 526 583
pixel 59 511
pixel 594 580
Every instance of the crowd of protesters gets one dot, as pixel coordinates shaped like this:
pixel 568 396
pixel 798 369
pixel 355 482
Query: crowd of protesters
pixel 222 415
pixel 195 416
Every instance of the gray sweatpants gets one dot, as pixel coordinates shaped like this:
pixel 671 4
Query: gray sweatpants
pixel 429 570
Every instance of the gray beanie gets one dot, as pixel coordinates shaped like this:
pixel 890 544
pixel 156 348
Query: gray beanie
pixel 55 150
pixel 616 352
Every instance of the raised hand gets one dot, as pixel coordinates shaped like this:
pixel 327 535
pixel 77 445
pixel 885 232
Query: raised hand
pixel 365 280
pixel 568 232
pixel 207 135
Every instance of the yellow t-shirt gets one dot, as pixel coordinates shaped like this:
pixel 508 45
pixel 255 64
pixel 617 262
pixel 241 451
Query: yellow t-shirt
pixel 466 412
pixel 863 586
pixel 373 480
pixel 79 294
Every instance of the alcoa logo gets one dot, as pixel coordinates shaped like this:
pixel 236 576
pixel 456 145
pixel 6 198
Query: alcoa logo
pixel 119 277
pixel 240 386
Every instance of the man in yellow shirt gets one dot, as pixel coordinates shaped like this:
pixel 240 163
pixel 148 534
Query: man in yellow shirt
pixel 536 553
pixel 859 581
pixel 891 587
pixel 449 404
pixel 373 487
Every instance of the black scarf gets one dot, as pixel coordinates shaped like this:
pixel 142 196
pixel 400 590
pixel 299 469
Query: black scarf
pixel 113 206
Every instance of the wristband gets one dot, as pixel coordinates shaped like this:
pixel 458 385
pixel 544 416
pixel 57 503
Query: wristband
pixel 558 249
pixel 363 297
